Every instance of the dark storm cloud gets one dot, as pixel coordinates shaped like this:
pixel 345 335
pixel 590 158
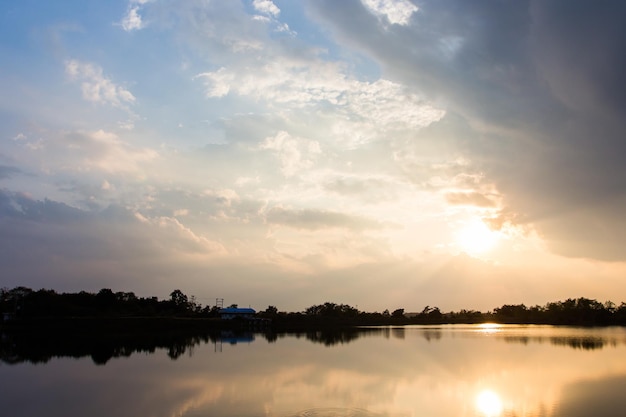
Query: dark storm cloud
pixel 541 86
pixel 580 49
pixel 454 51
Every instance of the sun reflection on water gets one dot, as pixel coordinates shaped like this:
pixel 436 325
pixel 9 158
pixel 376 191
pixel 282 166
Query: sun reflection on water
pixel 489 327
pixel 489 403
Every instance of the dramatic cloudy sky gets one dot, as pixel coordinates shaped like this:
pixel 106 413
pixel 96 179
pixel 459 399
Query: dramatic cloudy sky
pixel 379 153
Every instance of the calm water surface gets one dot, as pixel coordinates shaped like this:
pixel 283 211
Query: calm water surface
pixel 407 371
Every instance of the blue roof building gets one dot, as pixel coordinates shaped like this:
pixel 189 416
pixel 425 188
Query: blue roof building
pixel 230 313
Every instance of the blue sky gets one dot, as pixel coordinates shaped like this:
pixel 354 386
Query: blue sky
pixel 380 153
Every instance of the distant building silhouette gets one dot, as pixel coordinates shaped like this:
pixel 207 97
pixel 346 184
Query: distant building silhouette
pixel 231 313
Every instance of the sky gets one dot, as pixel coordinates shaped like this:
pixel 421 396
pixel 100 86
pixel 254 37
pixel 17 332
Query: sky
pixel 378 153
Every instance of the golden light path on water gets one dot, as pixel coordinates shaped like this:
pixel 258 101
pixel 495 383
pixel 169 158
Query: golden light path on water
pixel 487 370
pixel 489 327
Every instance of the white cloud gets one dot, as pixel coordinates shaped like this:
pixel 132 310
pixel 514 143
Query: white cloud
pixel 181 212
pixel 118 156
pixel 293 84
pixel 107 186
pixel 295 154
pixel 217 83
pixel 183 240
pixel 224 197
pixel 266 7
pixel 269 15
pixel 126 124
pixel 260 18
pixel 284 28
pixel 244 181
pixel 396 11
pixel 89 151
pixel 96 87
pixel 132 20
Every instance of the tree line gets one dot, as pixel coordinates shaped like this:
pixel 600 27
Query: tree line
pixel 580 311
pixel 23 302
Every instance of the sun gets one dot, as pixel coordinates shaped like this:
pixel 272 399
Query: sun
pixel 489 403
pixel 475 237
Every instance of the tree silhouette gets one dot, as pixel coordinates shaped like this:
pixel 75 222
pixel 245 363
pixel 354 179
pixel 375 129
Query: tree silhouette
pixel 178 298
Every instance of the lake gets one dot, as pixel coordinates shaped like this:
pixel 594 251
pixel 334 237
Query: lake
pixel 451 370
